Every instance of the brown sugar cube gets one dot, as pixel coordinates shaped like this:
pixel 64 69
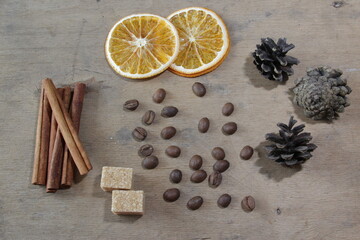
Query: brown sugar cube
pixel 113 178
pixel 127 202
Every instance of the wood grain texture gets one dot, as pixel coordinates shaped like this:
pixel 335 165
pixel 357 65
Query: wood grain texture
pixel 64 40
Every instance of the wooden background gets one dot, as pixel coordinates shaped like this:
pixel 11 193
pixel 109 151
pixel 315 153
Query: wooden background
pixel 64 40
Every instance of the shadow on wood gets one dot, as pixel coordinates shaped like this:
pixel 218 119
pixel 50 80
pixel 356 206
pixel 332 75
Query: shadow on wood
pixel 77 177
pixel 136 80
pixel 272 169
pixel 97 191
pixel 256 79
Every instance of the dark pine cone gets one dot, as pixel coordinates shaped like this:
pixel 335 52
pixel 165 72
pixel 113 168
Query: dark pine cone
pixel 271 60
pixel 290 146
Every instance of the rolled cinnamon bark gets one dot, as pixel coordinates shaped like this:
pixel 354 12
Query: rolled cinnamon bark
pixel 75 113
pixel 54 173
pixel 53 130
pixel 44 143
pixel 55 164
pixel 67 128
pixel 35 175
pixel 67 174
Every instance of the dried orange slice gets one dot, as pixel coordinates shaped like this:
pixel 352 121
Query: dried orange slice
pixel 204 41
pixel 141 46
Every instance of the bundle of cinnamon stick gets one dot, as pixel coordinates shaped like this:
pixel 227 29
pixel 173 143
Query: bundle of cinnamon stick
pixel 58 147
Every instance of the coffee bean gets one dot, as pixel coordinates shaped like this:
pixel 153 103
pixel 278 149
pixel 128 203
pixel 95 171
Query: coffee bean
pixel 171 195
pixel 145 150
pixel 224 200
pixel 159 95
pixel 215 179
pixel 131 105
pixel 248 203
pixel 228 109
pixel 204 125
pixel 175 176
pixel 246 153
pixel 198 176
pixel 148 117
pixel 150 162
pixel 173 151
pixel 195 203
pixel 229 128
pixel 168 132
pixel 139 134
pixel 199 89
pixel 169 111
pixel 218 153
pixel 195 162
pixel 221 165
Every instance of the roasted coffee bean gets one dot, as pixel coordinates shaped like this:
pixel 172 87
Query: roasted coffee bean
pixel 199 89
pixel 221 165
pixel 228 109
pixel 198 176
pixel 195 162
pixel 168 132
pixel 131 105
pixel 195 203
pixel 171 195
pixel 215 179
pixel 224 200
pixel 139 134
pixel 150 162
pixel 148 117
pixel 229 128
pixel 145 150
pixel 175 176
pixel 204 125
pixel 246 153
pixel 218 153
pixel 248 203
pixel 169 111
pixel 159 95
pixel 173 151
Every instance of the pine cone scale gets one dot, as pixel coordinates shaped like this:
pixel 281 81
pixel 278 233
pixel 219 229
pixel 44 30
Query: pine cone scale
pixel 291 60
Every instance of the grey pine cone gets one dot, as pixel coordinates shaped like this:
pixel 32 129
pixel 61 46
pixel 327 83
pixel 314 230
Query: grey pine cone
pixel 271 60
pixel 290 146
pixel 322 93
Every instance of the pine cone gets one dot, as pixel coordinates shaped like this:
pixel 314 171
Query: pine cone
pixel 271 60
pixel 322 93
pixel 290 146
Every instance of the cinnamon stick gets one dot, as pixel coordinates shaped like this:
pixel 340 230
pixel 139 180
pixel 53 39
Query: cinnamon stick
pixel 75 113
pixel 67 174
pixel 55 164
pixel 67 128
pixel 53 129
pixel 45 138
pixel 54 173
pixel 74 133
pixel 34 179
